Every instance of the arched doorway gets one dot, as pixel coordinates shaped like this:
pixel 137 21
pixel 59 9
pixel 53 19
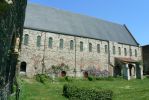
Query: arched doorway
pixel 23 67
pixel 63 73
pixel 85 74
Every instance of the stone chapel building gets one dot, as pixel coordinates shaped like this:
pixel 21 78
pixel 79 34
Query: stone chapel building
pixel 53 36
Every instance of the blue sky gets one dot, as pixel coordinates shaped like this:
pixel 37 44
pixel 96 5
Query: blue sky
pixel 133 13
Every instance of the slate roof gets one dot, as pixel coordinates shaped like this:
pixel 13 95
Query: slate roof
pixel 54 20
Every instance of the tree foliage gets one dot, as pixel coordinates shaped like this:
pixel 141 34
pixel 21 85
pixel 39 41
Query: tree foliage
pixel 11 28
pixel 3 6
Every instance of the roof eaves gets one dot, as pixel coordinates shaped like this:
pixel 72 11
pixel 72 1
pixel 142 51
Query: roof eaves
pixel 37 29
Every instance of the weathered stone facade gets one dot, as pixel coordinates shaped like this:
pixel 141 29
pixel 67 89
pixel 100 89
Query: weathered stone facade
pixel 81 42
pixel 75 59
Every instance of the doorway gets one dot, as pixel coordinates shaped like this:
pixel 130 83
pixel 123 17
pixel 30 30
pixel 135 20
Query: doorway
pixel 23 67
pixel 118 70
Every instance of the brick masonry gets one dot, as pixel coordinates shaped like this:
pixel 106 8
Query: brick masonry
pixel 33 55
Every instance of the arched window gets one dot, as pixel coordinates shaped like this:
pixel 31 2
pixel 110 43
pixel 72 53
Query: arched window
pixel 81 46
pixel 50 42
pixel 71 45
pixel 106 49
pixel 136 53
pixel 119 50
pixel 125 51
pixel 26 38
pixel 114 50
pixel 130 52
pixel 61 44
pixel 90 47
pixel 98 48
pixel 38 41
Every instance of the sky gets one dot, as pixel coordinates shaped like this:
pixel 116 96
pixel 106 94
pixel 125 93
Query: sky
pixel 133 13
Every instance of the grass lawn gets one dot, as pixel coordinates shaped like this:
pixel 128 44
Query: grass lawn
pixel 123 89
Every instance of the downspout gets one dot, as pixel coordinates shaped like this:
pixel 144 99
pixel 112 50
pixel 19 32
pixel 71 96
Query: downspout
pixel 43 62
pixel 109 55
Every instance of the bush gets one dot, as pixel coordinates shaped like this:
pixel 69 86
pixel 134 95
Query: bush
pixel 57 69
pixel 74 93
pixel 65 79
pixel 42 78
pixel 90 78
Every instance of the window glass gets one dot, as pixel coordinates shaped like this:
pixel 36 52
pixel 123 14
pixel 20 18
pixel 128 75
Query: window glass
pixel 130 52
pixel 81 46
pixel 98 48
pixel 71 45
pixel 106 49
pixel 50 42
pixel 113 49
pixel 119 50
pixel 61 45
pixel 38 41
pixel 125 51
pixel 135 52
pixel 26 37
pixel 90 47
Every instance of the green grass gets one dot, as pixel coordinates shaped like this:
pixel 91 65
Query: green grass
pixel 123 89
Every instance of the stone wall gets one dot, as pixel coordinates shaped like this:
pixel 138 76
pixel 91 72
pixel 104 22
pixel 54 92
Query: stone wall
pixel 75 59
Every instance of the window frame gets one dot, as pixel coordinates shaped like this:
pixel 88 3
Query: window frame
pixel 119 51
pixel 106 48
pixel 114 50
pixel 26 39
pixel 81 46
pixel 61 43
pixel 90 47
pixel 71 44
pixel 130 51
pixel 136 53
pixel 125 51
pixel 38 42
pixel 50 42
pixel 98 48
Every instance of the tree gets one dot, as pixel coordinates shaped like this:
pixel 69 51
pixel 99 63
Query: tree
pixel 12 15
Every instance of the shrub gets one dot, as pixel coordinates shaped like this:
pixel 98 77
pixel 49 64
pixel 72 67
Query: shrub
pixel 90 78
pixel 79 93
pixel 65 79
pixel 57 69
pixel 42 78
